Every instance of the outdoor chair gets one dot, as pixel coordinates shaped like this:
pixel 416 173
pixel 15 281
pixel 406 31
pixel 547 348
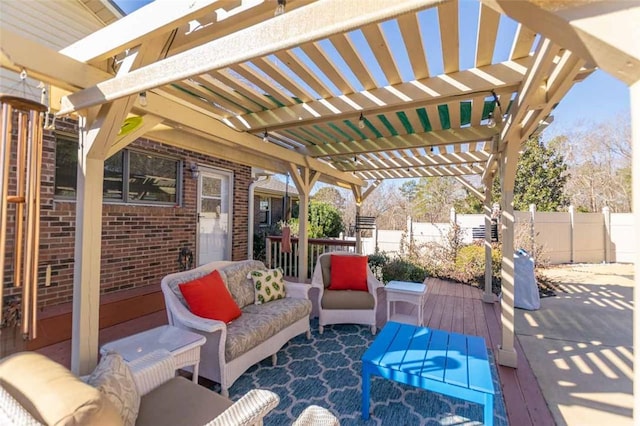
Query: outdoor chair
pixel 35 390
pixel 347 290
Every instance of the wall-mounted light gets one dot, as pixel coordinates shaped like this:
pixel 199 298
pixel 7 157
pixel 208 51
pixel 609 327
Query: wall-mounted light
pixel 195 173
pixel 361 121
pixel 142 99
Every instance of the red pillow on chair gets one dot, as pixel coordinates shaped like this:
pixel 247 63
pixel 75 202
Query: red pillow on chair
pixel 348 273
pixel 208 297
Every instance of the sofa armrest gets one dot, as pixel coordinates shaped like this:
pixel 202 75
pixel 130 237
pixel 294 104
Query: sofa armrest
pixel 185 317
pixel 297 290
pixel 248 410
pixel 152 370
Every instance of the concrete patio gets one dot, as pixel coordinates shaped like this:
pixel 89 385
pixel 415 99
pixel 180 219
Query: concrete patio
pixel 579 344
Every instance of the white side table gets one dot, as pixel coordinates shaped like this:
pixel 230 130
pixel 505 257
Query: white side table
pixel 183 345
pixel 405 291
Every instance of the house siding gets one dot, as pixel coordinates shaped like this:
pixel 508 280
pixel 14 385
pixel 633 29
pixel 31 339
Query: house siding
pixel 140 244
pixel 53 23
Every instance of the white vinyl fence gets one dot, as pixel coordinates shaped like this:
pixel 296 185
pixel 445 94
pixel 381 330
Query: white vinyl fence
pixel 563 237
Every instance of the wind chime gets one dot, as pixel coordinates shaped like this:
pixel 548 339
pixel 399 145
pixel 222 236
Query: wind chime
pixel 21 188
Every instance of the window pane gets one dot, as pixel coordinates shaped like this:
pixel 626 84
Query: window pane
pixel 211 205
pixel 66 167
pixel 112 189
pixel 152 178
pixel 211 187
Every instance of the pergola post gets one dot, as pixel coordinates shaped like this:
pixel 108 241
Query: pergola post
pixel 634 94
pixel 507 353
pixel 86 274
pixel 97 135
pixel 304 179
pixel 488 296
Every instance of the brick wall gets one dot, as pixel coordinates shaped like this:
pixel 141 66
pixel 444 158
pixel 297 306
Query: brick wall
pixel 140 244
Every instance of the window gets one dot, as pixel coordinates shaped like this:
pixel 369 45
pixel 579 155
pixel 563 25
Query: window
pixel 265 211
pixel 149 178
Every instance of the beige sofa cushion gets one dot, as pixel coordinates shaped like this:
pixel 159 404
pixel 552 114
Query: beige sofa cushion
pixel 239 281
pixel 180 402
pixel 347 299
pixel 52 394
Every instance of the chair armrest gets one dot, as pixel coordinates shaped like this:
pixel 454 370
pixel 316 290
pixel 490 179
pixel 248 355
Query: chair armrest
pixel 372 282
pixel 297 290
pixel 248 410
pixel 152 370
pixel 315 415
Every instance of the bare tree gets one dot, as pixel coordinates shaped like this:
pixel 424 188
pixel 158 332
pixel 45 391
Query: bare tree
pixel 599 156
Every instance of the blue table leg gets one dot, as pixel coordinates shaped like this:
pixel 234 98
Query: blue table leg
pixel 366 387
pixel 488 409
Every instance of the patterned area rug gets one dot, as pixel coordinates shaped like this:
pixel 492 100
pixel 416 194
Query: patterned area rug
pixel 326 371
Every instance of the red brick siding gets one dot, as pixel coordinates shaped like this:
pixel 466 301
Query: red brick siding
pixel 140 244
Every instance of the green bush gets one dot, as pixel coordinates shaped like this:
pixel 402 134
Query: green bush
pixel 403 270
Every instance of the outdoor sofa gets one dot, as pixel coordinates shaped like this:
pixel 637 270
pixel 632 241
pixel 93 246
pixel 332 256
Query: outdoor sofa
pixel 38 391
pixel 260 331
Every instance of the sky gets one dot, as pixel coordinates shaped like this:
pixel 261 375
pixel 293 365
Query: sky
pixel 598 98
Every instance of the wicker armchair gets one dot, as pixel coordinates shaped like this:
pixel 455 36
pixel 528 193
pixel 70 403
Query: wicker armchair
pixel 340 306
pixel 56 395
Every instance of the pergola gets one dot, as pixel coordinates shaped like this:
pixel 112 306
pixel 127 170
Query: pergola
pixel 321 92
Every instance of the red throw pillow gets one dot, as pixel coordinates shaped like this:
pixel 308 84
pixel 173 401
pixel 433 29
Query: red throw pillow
pixel 348 273
pixel 208 297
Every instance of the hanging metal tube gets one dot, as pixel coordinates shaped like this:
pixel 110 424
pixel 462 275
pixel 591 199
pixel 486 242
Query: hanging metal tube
pixel 5 157
pixel 27 198
pixel 21 151
pixel 36 142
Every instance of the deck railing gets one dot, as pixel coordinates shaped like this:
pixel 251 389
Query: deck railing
pixel 289 261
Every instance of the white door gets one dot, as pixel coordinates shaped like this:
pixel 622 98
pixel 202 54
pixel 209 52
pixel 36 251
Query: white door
pixel 214 216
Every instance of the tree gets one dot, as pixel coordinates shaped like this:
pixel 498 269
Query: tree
pixel 541 177
pixel 324 221
pixel 330 195
pixel 435 197
pixel 599 156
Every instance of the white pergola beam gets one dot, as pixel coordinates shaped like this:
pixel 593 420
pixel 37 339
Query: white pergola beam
pixel 156 18
pixel 314 22
pixel 602 32
pixel 46 64
pixel 214 129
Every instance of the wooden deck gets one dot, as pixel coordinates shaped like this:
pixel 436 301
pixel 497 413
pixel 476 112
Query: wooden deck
pixel 459 308
pixel 449 306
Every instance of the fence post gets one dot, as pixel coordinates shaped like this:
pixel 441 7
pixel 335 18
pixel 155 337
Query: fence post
pixel 606 213
pixel 532 230
pixel 572 222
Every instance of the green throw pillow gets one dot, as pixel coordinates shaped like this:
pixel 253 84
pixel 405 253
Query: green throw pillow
pixel 269 285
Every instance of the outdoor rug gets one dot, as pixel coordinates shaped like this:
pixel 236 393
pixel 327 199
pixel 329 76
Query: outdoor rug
pixel 326 371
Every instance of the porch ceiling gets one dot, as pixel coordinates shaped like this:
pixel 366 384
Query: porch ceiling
pixel 424 105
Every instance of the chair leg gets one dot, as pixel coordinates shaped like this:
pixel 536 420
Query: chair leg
pixel 308 334
pixel 224 392
pixel 320 329
pixel 373 330
pixel 274 359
